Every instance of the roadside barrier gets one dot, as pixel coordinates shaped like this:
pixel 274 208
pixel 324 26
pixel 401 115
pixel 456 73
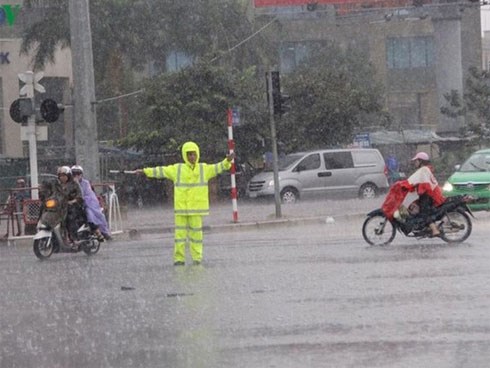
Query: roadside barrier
pixel 22 216
pixel 110 205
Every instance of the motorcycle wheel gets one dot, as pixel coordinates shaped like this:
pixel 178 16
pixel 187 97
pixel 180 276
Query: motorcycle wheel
pixel 43 248
pixel 455 227
pixel 378 230
pixel 91 247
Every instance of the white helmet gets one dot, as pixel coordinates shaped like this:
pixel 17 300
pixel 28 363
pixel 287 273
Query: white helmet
pixel 64 170
pixel 76 169
pixel 421 156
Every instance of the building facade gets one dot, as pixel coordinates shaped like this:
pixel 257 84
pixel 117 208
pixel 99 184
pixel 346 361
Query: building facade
pixel 57 81
pixel 421 49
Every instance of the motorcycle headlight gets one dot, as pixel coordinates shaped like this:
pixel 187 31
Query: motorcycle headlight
pixel 51 203
pixel 448 187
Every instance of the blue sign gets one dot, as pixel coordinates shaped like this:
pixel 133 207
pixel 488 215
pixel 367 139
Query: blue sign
pixel 235 116
pixel 362 140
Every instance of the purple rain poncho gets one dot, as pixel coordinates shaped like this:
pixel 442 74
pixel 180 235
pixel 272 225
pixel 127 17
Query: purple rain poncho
pixel 92 207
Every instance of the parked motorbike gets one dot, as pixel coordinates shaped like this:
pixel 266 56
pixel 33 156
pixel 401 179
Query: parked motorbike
pixel 49 238
pixel 452 219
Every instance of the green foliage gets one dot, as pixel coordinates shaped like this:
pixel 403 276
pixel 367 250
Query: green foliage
pixel 474 105
pixel 127 35
pixel 192 105
pixel 48 35
pixel 333 94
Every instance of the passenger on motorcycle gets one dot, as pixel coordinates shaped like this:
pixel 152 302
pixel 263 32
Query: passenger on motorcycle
pixel 74 213
pixel 424 182
pixel 95 217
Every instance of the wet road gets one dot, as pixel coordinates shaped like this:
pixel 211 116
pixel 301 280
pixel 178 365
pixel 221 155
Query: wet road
pixel 306 296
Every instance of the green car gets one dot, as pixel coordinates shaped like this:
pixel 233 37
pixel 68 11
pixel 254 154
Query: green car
pixel 472 178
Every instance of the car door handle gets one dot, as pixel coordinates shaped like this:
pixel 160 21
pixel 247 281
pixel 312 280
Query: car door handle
pixel 326 173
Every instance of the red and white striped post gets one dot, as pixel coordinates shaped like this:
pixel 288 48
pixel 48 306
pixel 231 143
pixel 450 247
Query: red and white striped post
pixel 231 149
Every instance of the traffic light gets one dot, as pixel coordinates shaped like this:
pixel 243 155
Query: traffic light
pixel 285 104
pixel 50 110
pixel 280 102
pixel 21 109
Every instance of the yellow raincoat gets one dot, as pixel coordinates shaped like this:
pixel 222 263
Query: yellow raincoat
pixel 191 198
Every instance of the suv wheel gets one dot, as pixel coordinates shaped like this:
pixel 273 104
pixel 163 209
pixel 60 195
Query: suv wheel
pixel 368 190
pixel 289 195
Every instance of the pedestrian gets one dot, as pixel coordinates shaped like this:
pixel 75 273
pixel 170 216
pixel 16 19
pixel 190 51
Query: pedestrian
pixel 191 197
pixel 95 218
pixel 393 169
pixel 15 203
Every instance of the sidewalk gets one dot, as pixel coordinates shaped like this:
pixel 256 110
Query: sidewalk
pixel 160 219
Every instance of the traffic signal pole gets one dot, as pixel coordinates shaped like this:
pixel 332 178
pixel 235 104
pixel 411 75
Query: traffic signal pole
pixel 23 111
pixel 277 197
pixel 28 79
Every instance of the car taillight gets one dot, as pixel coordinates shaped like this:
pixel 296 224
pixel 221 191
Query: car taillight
pixel 51 203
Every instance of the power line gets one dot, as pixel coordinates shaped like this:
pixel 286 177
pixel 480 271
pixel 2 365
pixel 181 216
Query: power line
pixel 120 96
pixel 245 40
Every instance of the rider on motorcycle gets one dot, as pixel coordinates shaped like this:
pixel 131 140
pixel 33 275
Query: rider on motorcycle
pixel 75 213
pixel 425 183
pixel 96 219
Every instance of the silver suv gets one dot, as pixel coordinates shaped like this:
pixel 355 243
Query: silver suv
pixel 332 172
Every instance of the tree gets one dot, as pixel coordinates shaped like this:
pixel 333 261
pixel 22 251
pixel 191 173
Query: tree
pixel 333 94
pixel 129 34
pixel 474 105
pixel 192 104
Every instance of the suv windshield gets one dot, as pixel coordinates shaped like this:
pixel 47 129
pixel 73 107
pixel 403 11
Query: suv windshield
pixel 477 162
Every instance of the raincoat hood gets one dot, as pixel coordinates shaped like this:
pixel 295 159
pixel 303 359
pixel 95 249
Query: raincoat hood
pixel 189 147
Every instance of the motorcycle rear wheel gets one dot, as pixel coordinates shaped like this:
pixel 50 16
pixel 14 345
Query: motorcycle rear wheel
pixel 378 230
pixel 455 227
pixel 92 247
pixel 43 248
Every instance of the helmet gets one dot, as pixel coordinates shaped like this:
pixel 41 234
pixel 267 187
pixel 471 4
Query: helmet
pixel 421 156
pixel 64 170
pixel 76 169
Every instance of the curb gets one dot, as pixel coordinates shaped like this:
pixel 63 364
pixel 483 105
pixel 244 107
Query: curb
pixel 136 234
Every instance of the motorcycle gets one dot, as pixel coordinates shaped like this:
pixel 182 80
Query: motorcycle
pixel 452 218
pixel 49 238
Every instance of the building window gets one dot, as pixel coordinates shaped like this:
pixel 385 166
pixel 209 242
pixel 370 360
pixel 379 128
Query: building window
pixel 292 53
pixel 409 52
pixel 177 60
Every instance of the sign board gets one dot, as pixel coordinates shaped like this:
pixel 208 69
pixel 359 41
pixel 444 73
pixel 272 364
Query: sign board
pixel 235 116
pixel 41 133
pixel 362 140
pixel 31 83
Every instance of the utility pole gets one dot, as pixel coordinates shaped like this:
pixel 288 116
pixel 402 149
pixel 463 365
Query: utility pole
pixel 86 141
pixel 277 197
pixel 30 80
